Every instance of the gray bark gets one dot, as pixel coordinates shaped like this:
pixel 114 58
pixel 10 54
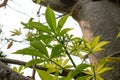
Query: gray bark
pixel 7 74
pixel 96 17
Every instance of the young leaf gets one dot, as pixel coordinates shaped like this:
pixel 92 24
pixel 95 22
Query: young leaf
pixel 50 17
pixel 40 46
pixel 99 78
pixel 65 62
pixel 61 22
pixel 27 24
pixel 104 69
pixel 44 75
pixel 100 45
pixel 95 41
pixel 16 32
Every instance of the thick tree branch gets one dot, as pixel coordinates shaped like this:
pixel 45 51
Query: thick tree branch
pixel 17 62
pixel 8 74
pixel 64 6
pixel 4 3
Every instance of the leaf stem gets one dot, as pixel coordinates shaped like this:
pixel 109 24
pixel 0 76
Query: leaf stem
pixel 94 72
pixel 70 57
pixel 56 64
pixel 62 42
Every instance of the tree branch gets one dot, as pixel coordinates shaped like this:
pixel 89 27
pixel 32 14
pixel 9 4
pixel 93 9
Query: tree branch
pixel 4 3
pixel 9 74
pixel 17 62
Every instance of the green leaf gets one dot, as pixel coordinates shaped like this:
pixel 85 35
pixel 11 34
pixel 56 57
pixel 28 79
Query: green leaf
pixel 56 51
pixel 65 62
pixel 40 46
pixel 82 77
pixel 50 17
pixel 20 68
pixel 112 59
pixel 27 25
pixel 104 70
pixel 99 78
pixel 46 38
pixel 61 22
pixel 33 62
pixel 95 41
pixel 29 51
pixel 44 75
pixel 80 68
pixel 89 77
pixel 69 76
pixel 118 35
pixel 38 1
pixel 40 27
pixel 99 45
pixel 64 31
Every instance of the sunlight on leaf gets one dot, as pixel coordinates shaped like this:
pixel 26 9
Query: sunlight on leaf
pixel 118 35
pixel 50 17
pixel 44 75
pixel 61 22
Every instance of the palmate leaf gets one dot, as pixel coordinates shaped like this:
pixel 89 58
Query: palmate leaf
pixel 99 46
pixel 61 22
pixel 95 41
pixel 37 44
pixel 29 51
pixel 50 18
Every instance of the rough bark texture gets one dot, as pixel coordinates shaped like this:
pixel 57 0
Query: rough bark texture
pixel 96 17
pixel 8 74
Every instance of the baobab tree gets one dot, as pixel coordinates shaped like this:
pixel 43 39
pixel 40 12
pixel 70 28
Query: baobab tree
pixel 95 17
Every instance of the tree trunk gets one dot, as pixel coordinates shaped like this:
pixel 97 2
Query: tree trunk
pixel 96 17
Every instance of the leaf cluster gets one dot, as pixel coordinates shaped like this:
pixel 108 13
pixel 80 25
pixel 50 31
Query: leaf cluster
pixel 53 48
